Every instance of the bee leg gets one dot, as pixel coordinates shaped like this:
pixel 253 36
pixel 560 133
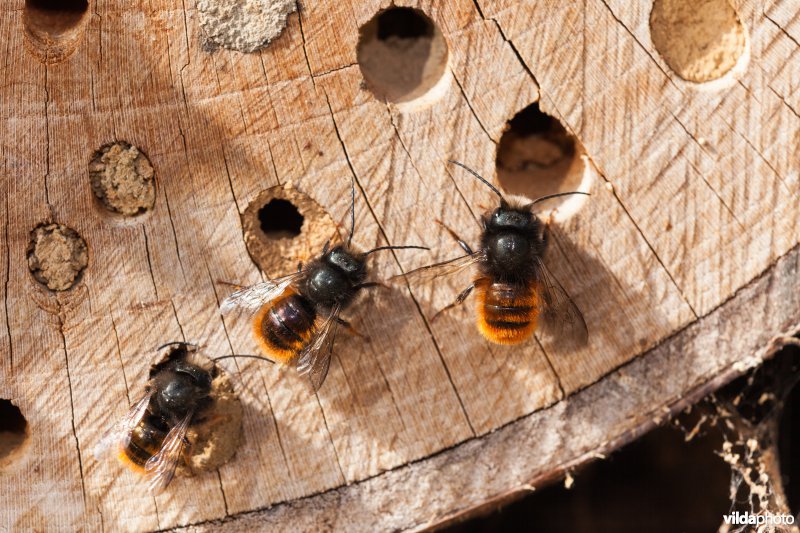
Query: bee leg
pixel 461 242
pixel 371 284
pixel 299 266
pixel 350 329
pixel 458 301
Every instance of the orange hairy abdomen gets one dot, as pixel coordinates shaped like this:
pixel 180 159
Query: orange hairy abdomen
pixel 507 313
pixel 284 327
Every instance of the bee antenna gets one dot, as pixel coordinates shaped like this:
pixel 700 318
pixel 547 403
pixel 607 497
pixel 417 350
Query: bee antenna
pixel 244 355
pixel 352 210
pixel 556 195
pixel 175 343
pixel 481 178
pixel 379 248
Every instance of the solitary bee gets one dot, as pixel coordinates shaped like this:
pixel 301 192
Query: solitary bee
pixel 516 292
pixel 295 317
pixel 150 439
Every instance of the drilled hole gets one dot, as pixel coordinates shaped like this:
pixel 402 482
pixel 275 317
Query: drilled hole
pixel 701 40
pixel 122 179
pixel 280 219
pixel 537 156
pixel 13 431
pixel 282 226
pixel 54 28
pixel 402 55
pixel 57 256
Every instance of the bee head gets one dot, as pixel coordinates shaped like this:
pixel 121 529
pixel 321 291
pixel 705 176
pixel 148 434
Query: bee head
pixel 506 217
pixel 179 387
pixel 349 264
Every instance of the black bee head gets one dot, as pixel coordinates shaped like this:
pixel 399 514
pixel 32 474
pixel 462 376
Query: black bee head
pixel 180 388
pixel 352 266
pixel 508 217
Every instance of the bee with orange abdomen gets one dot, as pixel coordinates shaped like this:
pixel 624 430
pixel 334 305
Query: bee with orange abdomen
pixel 516 294
pixel 151 438
pixel 295 317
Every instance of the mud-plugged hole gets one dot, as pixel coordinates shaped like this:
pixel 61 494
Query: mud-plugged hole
pixel 280 219
pixel 402 55
pixel 282 226
pixel 13 431
pixel 57 256
pixel 242 25
pixel 700 40
pixel 122 179
pixel 54 28
pixel 537 156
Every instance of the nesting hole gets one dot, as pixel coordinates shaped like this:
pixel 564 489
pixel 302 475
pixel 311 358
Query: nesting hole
pixel 537 156
pixel 13 431
pixel 700 40
pixel 280 219
pixel 122 179
pixel 57 256
pixel 54 28
pixel 283 226
pixel 402 55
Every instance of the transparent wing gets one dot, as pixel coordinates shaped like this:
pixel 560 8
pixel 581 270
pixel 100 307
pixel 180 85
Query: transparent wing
pixel 559 316
pixel 160 469
pixel 119 435
pixel 255 296
pixel 315 359
pixel 429 273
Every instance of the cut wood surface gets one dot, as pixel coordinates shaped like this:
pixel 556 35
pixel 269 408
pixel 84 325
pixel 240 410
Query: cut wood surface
pixel 691 229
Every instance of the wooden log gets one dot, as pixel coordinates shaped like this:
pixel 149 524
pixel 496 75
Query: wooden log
pixel 683 261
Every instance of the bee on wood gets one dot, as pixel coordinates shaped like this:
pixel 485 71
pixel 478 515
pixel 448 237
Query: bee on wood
pixel 295 317
pixel 516 294
pixel 151 438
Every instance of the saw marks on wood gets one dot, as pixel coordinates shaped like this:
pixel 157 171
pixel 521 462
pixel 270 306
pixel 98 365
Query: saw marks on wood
pixel 693 194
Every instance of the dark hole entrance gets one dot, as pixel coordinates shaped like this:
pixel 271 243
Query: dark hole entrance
pixel 405 23
pixel 54 16
pixel 657 483
pixel 789 441
pixel 13 428
pixel 401 53
pixel 280 219
pixel 538 156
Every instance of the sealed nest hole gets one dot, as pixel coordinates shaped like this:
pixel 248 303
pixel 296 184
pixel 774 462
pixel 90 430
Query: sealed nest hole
pixel 282 227
pixel 122 179
pixel 57 256
pixel 216 433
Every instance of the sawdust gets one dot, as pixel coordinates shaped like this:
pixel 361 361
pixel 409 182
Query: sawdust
pixel 701 40
pixel 123 179
pixel 278 253
pixel 399 67
pixel 243 25
pixel 56 256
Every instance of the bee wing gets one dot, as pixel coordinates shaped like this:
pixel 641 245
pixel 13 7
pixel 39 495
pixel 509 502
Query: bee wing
pixel 429 273
pixel 315 359
pixel 255 296
pixel 119 435
pixel 160 469
pixel 559 316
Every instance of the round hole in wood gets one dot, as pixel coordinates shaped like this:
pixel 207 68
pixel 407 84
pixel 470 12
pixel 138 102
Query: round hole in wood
pixel 283 226
pixel 122 179
pixel 57 256
pixel 537 156
pixel 54 28
pixel 280 219
pixel 403 56
pixel 14 432
pixel 700 40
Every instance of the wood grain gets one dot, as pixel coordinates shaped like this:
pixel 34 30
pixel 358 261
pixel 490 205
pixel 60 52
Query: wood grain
pixel 694 195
